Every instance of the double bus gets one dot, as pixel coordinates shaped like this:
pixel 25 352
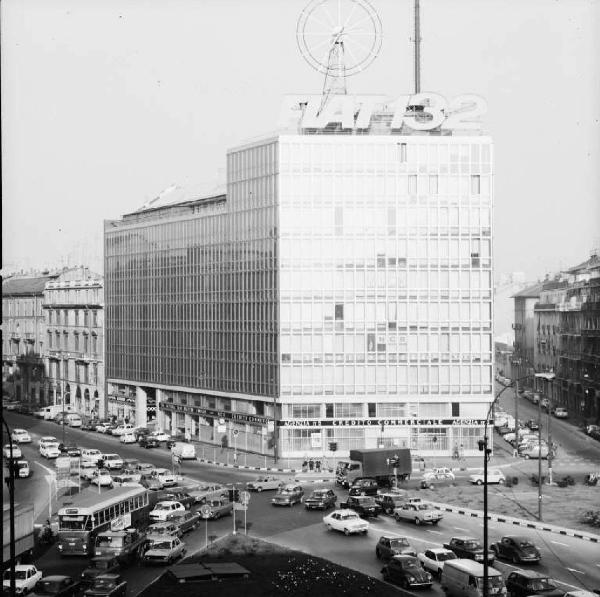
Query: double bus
pixel 90 513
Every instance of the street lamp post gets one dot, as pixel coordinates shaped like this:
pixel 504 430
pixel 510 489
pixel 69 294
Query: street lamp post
pixel 549 377
pixel 11 498
pixel 516 362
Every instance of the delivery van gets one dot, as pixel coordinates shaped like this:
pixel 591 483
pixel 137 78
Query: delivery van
pixel 184 450
pixel 464 578
pixel 49 412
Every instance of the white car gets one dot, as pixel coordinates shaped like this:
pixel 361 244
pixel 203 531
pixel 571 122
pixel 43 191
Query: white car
pixel 20 436
pixel 163 510
pixel 206 492
pixel 50 450
pixel 346 521
pixel 127 438
pixel 121 429
pixel 264 482
pixel 560 412
pixel 26 575
pixel 90 455
pixel 165 476
pixel 438 473
pixel 86 469
pixel 112 461
pixel 46 439
pixel 102 478
pixel 160 436
pixel 433 559
pixel 16 451
pixel 494 475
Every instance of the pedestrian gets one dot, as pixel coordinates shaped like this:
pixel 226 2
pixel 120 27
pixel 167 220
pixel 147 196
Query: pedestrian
pixel 235 458
pixel 311 465
pixel 318 466
pixel 188 435
pixel 304 466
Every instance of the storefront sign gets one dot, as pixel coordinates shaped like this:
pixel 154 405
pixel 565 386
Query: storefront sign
pixel 378 422
pixel 422 111
pixel 219 414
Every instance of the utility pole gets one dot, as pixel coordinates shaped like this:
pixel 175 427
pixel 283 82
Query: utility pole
pixel 540 459
pixel 417 42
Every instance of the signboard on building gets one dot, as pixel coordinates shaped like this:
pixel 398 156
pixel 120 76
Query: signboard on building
pixel 378 422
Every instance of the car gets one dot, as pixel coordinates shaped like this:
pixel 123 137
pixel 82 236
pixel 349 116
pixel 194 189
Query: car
pixel 69 450
pixel 494 475
pixel 288 495
pixel 56 585
pixel 130 463
pixel 560 412
pixel 517 548
pixel 124 545
pixel 108 430
pixel 469 548
pixel 88 425
pixel 346 521
pixel 99 565
pixel 108 585
pixel 363 486
pixel 185 521
pixel 160 436
pixel 47 439
pixel 165 476
pixel 26 577
pixel 22 469
pixel 438 474
pixel 320 499
pixel 127 438
pixel 20 436
pixel 364 505
pixel 10 405
pixel 90 454
pixel 140 431
pixel 165 551
pixel 184 450
pixel 101 478
pixel 123 429
pixel 219 507
pixel 126 480
pixel 162 510
pixel 419 513
pixel 147 441
pixel 535 451
pixel 532 424
pixel 112 461
pixel 175 495
pixel 388 501
pixel 389 546
pixel 151 483
pixel 160 530
pixel 263 483
pixel 101 426
pixel 523 583
pixel 407 572
pixel 13 450
pixel 433 559
pixel 144 468
pixel 207 491
pixel 86 468
pixel 50 450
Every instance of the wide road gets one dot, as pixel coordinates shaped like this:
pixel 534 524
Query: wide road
pixel 572 561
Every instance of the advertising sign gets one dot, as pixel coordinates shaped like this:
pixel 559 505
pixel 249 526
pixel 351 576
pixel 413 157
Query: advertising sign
pixel 121 522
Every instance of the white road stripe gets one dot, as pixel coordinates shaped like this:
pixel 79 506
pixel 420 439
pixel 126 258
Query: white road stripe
pixel 50 471
pixel 559 543
pixel 461 529
pixel 434 532
pixel 573 570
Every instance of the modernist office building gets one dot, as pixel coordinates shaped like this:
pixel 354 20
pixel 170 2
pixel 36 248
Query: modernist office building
pixel 340 291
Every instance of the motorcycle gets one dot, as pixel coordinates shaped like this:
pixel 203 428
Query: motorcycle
pixel 47 535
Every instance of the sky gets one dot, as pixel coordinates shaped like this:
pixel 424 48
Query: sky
pixel 105 103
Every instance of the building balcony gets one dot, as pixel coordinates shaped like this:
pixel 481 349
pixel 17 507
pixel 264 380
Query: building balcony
pixel 590 333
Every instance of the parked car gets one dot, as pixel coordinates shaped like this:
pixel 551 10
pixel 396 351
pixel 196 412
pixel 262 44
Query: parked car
pixel 320 499
pixel 494 475
pixel 162 510
pixel 112 461
pixel 545 404
pixel 185 521
pixel 288 495
pixel 264 482
pixel 560 412
pixel 26 577
pixel 13 450
pixel 407 572
pixel 346 521
pixel 147 441
pixel 108 430
pixel 123 429
pixel 101 477
pixel 535 451
pixel 99 565
pixel 127 438
pixel 364 505
pixel 438 474
pixel 523 583
pixel 107 585
pixel 20 436
pixel 419 513
pixel 56 585
pixel 101 426
pixel 165 551
pixel 433 559
pixel 160 530
pixel 160 436
pixel 387 547
pixel 389 501
pixel 517 548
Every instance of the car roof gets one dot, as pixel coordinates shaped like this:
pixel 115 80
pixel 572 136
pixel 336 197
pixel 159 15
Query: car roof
pixel 530 574
pixel 439 550
pixel 517 538
pixel 108 576
pixel 55 577
pixel 465 538
pixel 392 537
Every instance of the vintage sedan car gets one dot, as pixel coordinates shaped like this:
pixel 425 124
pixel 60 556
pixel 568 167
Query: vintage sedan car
pixel 346 521
pixel 264 482
pixel 165 476
pixel 147 441
pixel 184 521
pixel 176 495
pixel 387 547
pixel 494 475
pixel 438 473
pixel 534 451
pixel 86 469
pixel 407 572
pixel 15 453
pixel 160 436
pixel 433 559
pixel 288 495
pixel 219 507
pixel 56 585
pixel 127 438
pixel 50 450
pixel 364 505
pixel 523 583
pixel 23 470
pixel 320 499
pixel 419 513
pixel 160 530
pixel 101 477
pixel 90 455
pixel 102 426
pixel 560 412
pixel 26 577
pixel 389 501
pixel 47 438
pixel 99 565
pixel 20 436
pixel 163 509
pixel 108 585
pixel 70 450
pixel 165 551
pixel 517 548
pixel 112 461
pixel 207 491
pixel 151 483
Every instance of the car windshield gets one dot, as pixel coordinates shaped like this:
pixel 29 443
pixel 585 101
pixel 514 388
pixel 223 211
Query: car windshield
pixel 19 575
pixel 401 542
pixel 442 557
pixel 162 507
pixel 47 586
pixel 109 541
pixel 541 584
pixel 349 516
pixel 472 545
pixel 422 506
pixel 161 545
pixel 409 563
pixel 287 490
pixel 104 583
pixel 367 501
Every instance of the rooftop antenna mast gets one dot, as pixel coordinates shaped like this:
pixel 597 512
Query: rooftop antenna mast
pixel 417 41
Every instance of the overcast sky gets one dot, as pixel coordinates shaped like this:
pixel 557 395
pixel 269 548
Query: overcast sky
pixel 107 102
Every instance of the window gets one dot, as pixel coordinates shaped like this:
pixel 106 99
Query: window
pixel 475 184
pixel 402 152
pixel 348 411
pixel 372 407
pixel 339 312
pixel 329 411
pixel 456 409
pixel 304 411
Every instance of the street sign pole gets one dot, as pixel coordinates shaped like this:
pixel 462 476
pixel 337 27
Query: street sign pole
pixel 205 513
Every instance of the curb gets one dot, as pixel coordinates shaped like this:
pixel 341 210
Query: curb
pixel 519 522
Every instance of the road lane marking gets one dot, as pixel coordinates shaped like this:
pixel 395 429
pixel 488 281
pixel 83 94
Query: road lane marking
pixel 461 529
pixel 573 570
pixel 559 543
pixel 434 532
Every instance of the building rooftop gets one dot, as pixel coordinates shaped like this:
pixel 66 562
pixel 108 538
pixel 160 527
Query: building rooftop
pixel 26 286
pixel 532 291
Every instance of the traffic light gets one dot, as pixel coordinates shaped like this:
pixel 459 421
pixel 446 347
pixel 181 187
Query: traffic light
pixel 234 495
pixel 100 463
pixel 332 446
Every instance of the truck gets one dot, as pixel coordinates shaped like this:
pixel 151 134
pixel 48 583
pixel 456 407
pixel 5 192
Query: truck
pixel 377 463
pixel 23 531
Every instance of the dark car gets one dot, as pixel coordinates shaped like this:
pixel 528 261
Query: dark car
pixel 320 499
pixel 364 486
pixel 140 432
pixel 56 585
pixel 363 505
pixel 146 441
pixel 110 428
pixel 89 425
pixel 108 585
pixel 99 565
pixel 389 501
pixel 388 547
pixel 523 583
pixel 407 572
pixel 185 521
pixel 69 450
pixel 516 548
pixel 177 496
pixel 469 548
pixel 532 424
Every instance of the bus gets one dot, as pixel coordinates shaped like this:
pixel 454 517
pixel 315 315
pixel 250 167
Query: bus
pixel 91 513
